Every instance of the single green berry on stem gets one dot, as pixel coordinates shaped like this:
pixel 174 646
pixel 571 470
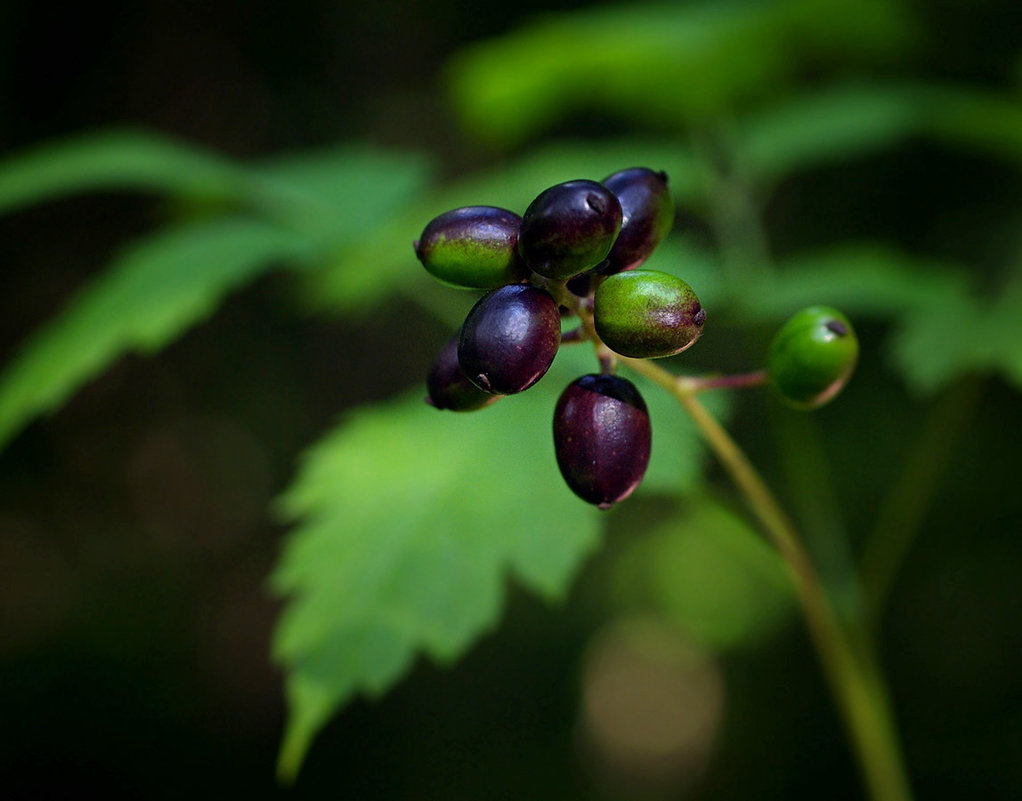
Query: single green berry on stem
pixel 812 357
pixel 647 314
pixel 602 438
pixel 474 247
pixel 449 388
pixel 569 228
pixel 509 338
pixel 647 216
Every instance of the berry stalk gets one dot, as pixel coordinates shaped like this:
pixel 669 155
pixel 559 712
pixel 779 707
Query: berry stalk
pixel 853 677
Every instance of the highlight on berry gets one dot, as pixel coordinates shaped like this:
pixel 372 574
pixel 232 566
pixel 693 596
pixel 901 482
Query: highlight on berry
pixel 569 269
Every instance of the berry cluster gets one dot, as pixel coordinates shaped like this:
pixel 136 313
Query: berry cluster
pixel 576 251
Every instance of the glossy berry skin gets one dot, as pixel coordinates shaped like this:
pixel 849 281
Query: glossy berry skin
pixel 812 356
pixel 569 229
pixel 647 211
pixel 647 314
pixel 449 388
pixel 509 339
pixel 602 438
pixel 474 247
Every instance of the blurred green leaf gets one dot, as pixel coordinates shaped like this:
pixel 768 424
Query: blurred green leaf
pixel 331 193
pixel 408 522
pixel 116 160
pixel 349 285
pixel 708 570
pixel 340 194
pixel 318 201
pixel 862 279
pixel 664 63
pixel 976 118
pixel 932 347
pixel 830 125
pixel 150 294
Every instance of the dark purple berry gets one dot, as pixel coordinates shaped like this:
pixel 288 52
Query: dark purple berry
pixel 449 388
pixel 510 338
pixel 472 247
pixel 602 438
pixel 569 228
pixel 647 216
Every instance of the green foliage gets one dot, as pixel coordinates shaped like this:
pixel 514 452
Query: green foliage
pixel 308 206
pixel 966 335
pixel 119 160
pixel 407 522
pixel 147 297
pixel 666 572
pixel 811 130
pixel 870 279
pixel 670 64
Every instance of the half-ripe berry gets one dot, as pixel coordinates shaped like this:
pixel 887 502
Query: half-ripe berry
pixel 569 228
pixel 647 314
pixel 474 247
pixel 647 211
pixel 510 338
pixel 602 438
pixel 812 357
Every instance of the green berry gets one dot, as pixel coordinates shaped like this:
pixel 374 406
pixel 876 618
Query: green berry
pixel 812 356
pixel 474 247
pixel 647 314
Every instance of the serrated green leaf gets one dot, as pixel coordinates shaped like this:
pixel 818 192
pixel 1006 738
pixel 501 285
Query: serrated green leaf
pixel 120 160
pixel 349 286
pixel 706 569
pixel 152 292
pixel 661 63
pixel 408 522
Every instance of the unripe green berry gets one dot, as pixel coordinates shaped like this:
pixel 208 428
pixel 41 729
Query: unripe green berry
pixel 647 314
pixel 474 247
pixel 812 356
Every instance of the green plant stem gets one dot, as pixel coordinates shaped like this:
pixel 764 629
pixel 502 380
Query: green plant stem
pixel 904 510
pixel 755 378
pixel 854 677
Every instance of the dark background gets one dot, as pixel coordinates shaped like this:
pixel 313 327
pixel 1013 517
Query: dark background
pixel 134 533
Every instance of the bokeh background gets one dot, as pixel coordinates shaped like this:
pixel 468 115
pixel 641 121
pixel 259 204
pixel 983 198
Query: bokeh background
pixel 135 528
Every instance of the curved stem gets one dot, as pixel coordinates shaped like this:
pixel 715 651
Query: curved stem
pixel 854 677
pixel 755 378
